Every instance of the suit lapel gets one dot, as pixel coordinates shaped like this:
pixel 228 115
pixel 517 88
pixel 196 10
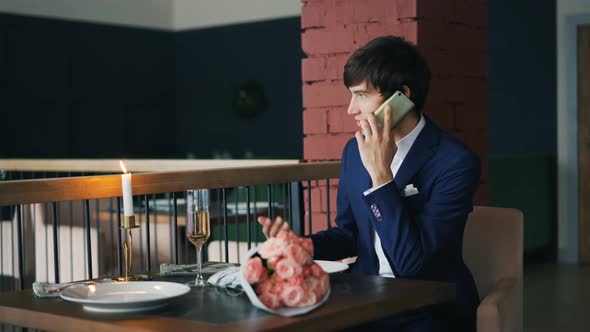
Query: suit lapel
pixel 420 152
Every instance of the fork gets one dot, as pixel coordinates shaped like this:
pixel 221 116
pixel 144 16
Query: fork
pixel 48 289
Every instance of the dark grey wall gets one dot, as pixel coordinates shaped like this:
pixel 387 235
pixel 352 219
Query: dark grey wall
pixel 522 77
pixel 71 89
pixel 212 63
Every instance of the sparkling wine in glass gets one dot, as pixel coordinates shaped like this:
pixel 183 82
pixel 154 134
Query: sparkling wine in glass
pixel 198 227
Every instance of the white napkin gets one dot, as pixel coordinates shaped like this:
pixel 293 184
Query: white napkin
pixel 228 278
pixel 191 269
pixel 287 311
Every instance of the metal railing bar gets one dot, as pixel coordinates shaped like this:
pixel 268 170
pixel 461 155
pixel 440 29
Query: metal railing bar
pixel 219 219
pixel 12 224
pixel 255 213
pixel 225 228
pixel 175 212
pixel 328 203
pixel 296 207
pixel 112 235
pixel 237 220
pixel 98 247
pixel 46 231
pixel 19 243
pixel 156 256
pixel 147 233
pixel 119 240
pixel 71 226
pixel 248 234
pixel 46 228
pixel 288 204
pixel 187 244
pixel 88 238
pixel 139 221
pixel 269 195
pixel 55 223
pixel 285 195
pixel 169 201
pixel 24 231
pixel 1 245
pixel 309 207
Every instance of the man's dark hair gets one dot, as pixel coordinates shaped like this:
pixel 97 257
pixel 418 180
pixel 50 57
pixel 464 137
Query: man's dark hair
pixel 387 63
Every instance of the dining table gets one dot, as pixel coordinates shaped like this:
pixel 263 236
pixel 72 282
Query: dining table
pixel 354 299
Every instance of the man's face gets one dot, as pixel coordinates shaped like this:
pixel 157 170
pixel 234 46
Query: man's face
pixel 365 99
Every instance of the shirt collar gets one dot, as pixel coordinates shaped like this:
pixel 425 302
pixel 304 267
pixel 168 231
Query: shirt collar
pixel 404 144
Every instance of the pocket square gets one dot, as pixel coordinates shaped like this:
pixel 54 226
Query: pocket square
pixel 409 190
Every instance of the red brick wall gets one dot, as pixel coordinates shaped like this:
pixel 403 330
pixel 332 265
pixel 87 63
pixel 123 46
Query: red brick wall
pixel 452 34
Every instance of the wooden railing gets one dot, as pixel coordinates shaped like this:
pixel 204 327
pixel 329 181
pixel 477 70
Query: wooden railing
pixel 105 186
pixel 134 165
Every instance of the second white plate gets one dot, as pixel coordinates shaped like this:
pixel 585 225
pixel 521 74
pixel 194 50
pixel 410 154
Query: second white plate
pixel 331 267
pixel 124 296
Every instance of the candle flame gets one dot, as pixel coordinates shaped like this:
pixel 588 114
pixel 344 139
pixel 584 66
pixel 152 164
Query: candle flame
pixel 123 167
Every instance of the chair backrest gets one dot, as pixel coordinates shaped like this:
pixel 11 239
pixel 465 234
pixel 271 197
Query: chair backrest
pixel 493 245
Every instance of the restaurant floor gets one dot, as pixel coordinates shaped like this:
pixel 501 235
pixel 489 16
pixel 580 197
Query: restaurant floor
pixel 556 297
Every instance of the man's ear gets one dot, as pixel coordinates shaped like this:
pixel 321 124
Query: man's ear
pixel 407 91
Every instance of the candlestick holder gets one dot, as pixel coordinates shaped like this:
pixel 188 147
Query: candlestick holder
pixel 129 224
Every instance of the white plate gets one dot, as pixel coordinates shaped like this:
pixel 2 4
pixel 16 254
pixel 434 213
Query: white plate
pixel 124 296
pixel 332 267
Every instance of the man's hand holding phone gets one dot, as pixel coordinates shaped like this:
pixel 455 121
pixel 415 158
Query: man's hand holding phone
pixel 377 147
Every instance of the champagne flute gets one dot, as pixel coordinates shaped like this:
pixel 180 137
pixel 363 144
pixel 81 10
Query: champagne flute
pixel 198 228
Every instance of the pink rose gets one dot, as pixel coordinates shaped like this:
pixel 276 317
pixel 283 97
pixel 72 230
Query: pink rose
pixel 307 245
pixel 277 288
pixel 297 254
pixel 309 298
pixel 270 300
pixel 324 284
pixel 312 284
pixel 287 268
pixel 319 286
pixel 291 295
pixel 271 248
pixel 317 271
pixel 264 287
pixel 276 278
pixel 295 281
pixel 306 271
pixel 254 270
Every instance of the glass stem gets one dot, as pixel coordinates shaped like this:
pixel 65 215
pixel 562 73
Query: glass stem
pixel 199 266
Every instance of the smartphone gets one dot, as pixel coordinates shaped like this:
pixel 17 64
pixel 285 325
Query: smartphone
pixel 400 105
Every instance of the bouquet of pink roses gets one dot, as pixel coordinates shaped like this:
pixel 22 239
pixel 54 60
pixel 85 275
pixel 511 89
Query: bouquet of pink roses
pixel 283 274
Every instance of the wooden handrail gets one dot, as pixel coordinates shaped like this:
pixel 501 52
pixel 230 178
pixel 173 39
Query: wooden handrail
pixel 133 165
pixel 93 187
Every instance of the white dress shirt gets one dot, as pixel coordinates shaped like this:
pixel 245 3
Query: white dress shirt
pixel 403 147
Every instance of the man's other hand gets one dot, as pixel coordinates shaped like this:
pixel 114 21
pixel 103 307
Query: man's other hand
pixel 270 228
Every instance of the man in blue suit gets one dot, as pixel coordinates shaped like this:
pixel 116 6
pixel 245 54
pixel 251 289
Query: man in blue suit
pixel 404 194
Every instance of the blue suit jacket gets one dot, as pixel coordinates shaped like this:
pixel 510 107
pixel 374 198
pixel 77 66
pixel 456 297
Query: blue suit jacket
pixel 421 235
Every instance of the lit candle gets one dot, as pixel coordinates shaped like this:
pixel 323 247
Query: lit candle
pixel 127 193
